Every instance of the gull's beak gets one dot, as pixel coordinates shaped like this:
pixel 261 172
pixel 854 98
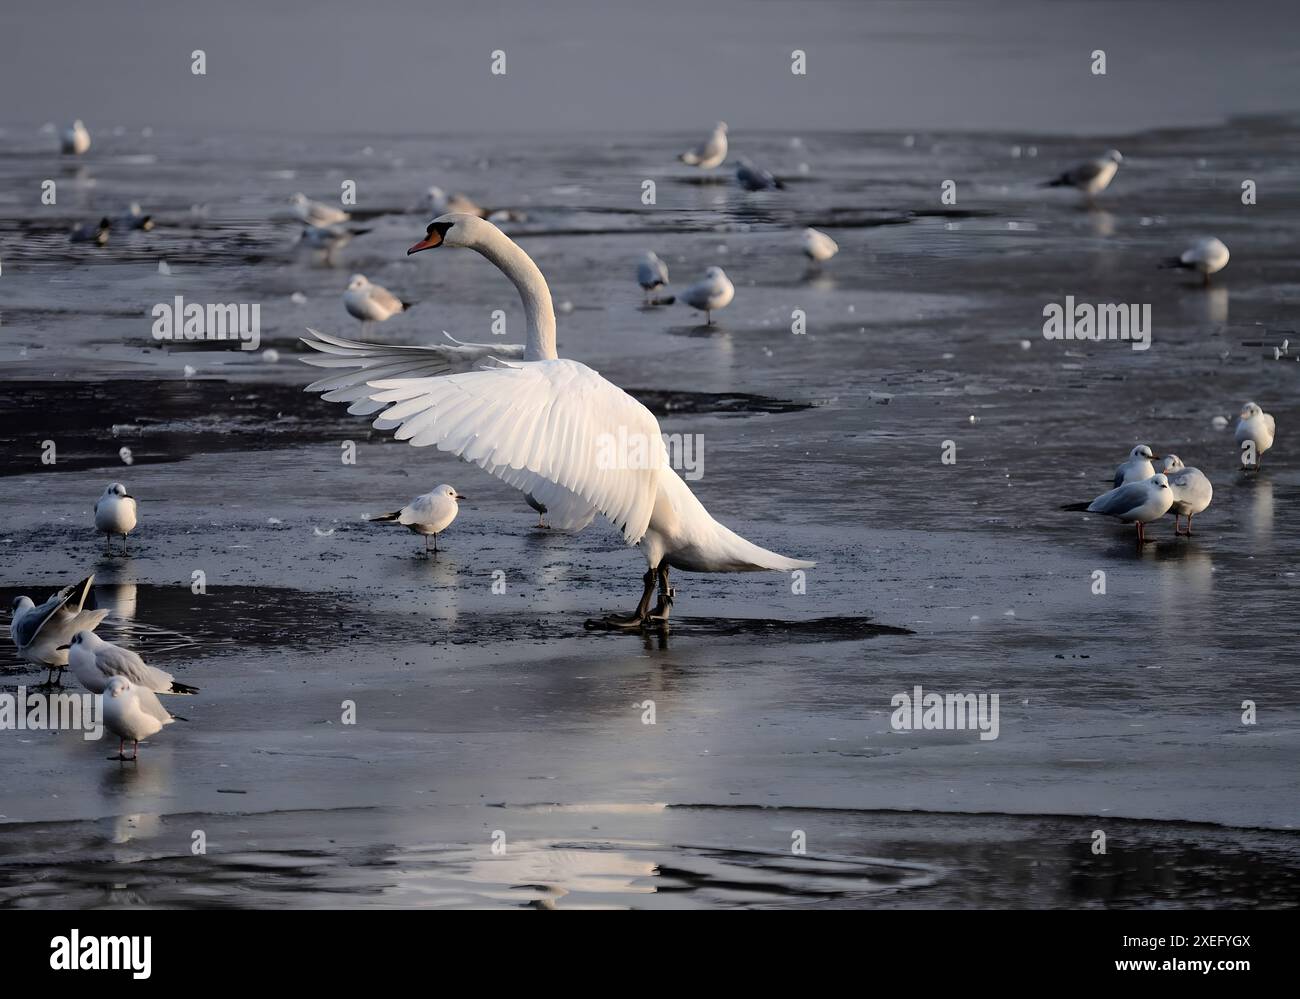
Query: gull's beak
pixel 428 243
pixel 461 497
pixel 62 648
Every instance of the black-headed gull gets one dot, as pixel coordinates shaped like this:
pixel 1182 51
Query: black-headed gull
pixel 1190 487
pixel 134 713
pixel 548 426
pixel 96 233
pixel 95 662
pixel 1206 256
pixel 817 246
pixel 652 273
pixel 1092 177
pixel 41 632
pixel 428 514
pixel 1136 503
pixel 75 139
pixel 709 153
pixel 316 214
pixel 755 178
pixel 1257 427
pixel 1136 467
pixel 371 303
pixel 714 291
pixel 115 513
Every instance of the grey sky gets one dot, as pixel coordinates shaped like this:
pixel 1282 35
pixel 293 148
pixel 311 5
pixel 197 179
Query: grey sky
pixel 416 65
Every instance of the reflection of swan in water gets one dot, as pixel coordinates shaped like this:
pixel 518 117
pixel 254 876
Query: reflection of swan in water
pixel 539 422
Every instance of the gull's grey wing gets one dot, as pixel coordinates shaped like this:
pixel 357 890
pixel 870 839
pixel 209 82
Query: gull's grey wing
pixel 386 298
pixel 150 705
pixel 1121 501
pixel 115 661
pixel 1084 172
pixel 27 626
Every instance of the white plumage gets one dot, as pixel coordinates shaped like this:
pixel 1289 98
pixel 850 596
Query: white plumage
pixel 549 427
pixel 1257 427
pixel 714 291
pixel 75 139
pixel 1137 467
pixel 709 153
pixel 370 302
pixel 41 633
pixel 94 662
pixel 429 514
pixel 314 213
pixel 132 712
pixel 818 246
pixel 115 513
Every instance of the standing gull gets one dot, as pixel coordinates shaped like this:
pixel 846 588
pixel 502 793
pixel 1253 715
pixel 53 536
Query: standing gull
pixel 115 513
pixel 1258 428
pixel 429 514
pixel 1092 177
pixel 652 273
pixel 545 423
pixel 1137 467
pixel 1136 503
pixel 1191 490
pixel 711 152
pixel 41 633
pixel 95 662
pixel 1206 256
pixel 714 291
pixel 134 713
pixel 817 246
pixel 317 214
pixel 75 140
pixel 370 302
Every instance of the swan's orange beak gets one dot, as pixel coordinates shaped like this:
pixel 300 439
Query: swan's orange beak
pixel 428 243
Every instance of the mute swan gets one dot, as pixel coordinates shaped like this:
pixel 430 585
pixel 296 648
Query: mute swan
pixel 430 514
pixel 1092 177
pixel 550 427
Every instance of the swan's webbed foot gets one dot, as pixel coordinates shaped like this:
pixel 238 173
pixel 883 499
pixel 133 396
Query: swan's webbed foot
pixel 638 617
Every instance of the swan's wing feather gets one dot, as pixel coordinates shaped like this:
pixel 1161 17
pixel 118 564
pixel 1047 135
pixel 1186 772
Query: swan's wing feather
pixel 539 422
pixel 367 362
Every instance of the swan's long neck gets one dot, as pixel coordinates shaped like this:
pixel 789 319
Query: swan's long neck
pixel 518 266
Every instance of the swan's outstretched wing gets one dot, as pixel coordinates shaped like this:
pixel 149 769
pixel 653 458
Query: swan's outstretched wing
pixel 538 422
pixel 366 362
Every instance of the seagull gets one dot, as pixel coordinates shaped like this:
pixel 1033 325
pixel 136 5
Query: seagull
pixel 1258 427
pixel 440 202
pixel 428 514
pixel 714 291
pixel 711 152
pixel 132 712
pixel 115 513
pixel 95 662
pixel 88 233
pixel 652 273
pixel 1136 503
pixel 1206 256
pixel 1092 177
pixel 545 425
pixel 371 302
pixel 1137 467
pixel 754 178
pixel 817 246
pixel 41 633
pixel 75 140
pixel 316 214
pixel 1191 488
